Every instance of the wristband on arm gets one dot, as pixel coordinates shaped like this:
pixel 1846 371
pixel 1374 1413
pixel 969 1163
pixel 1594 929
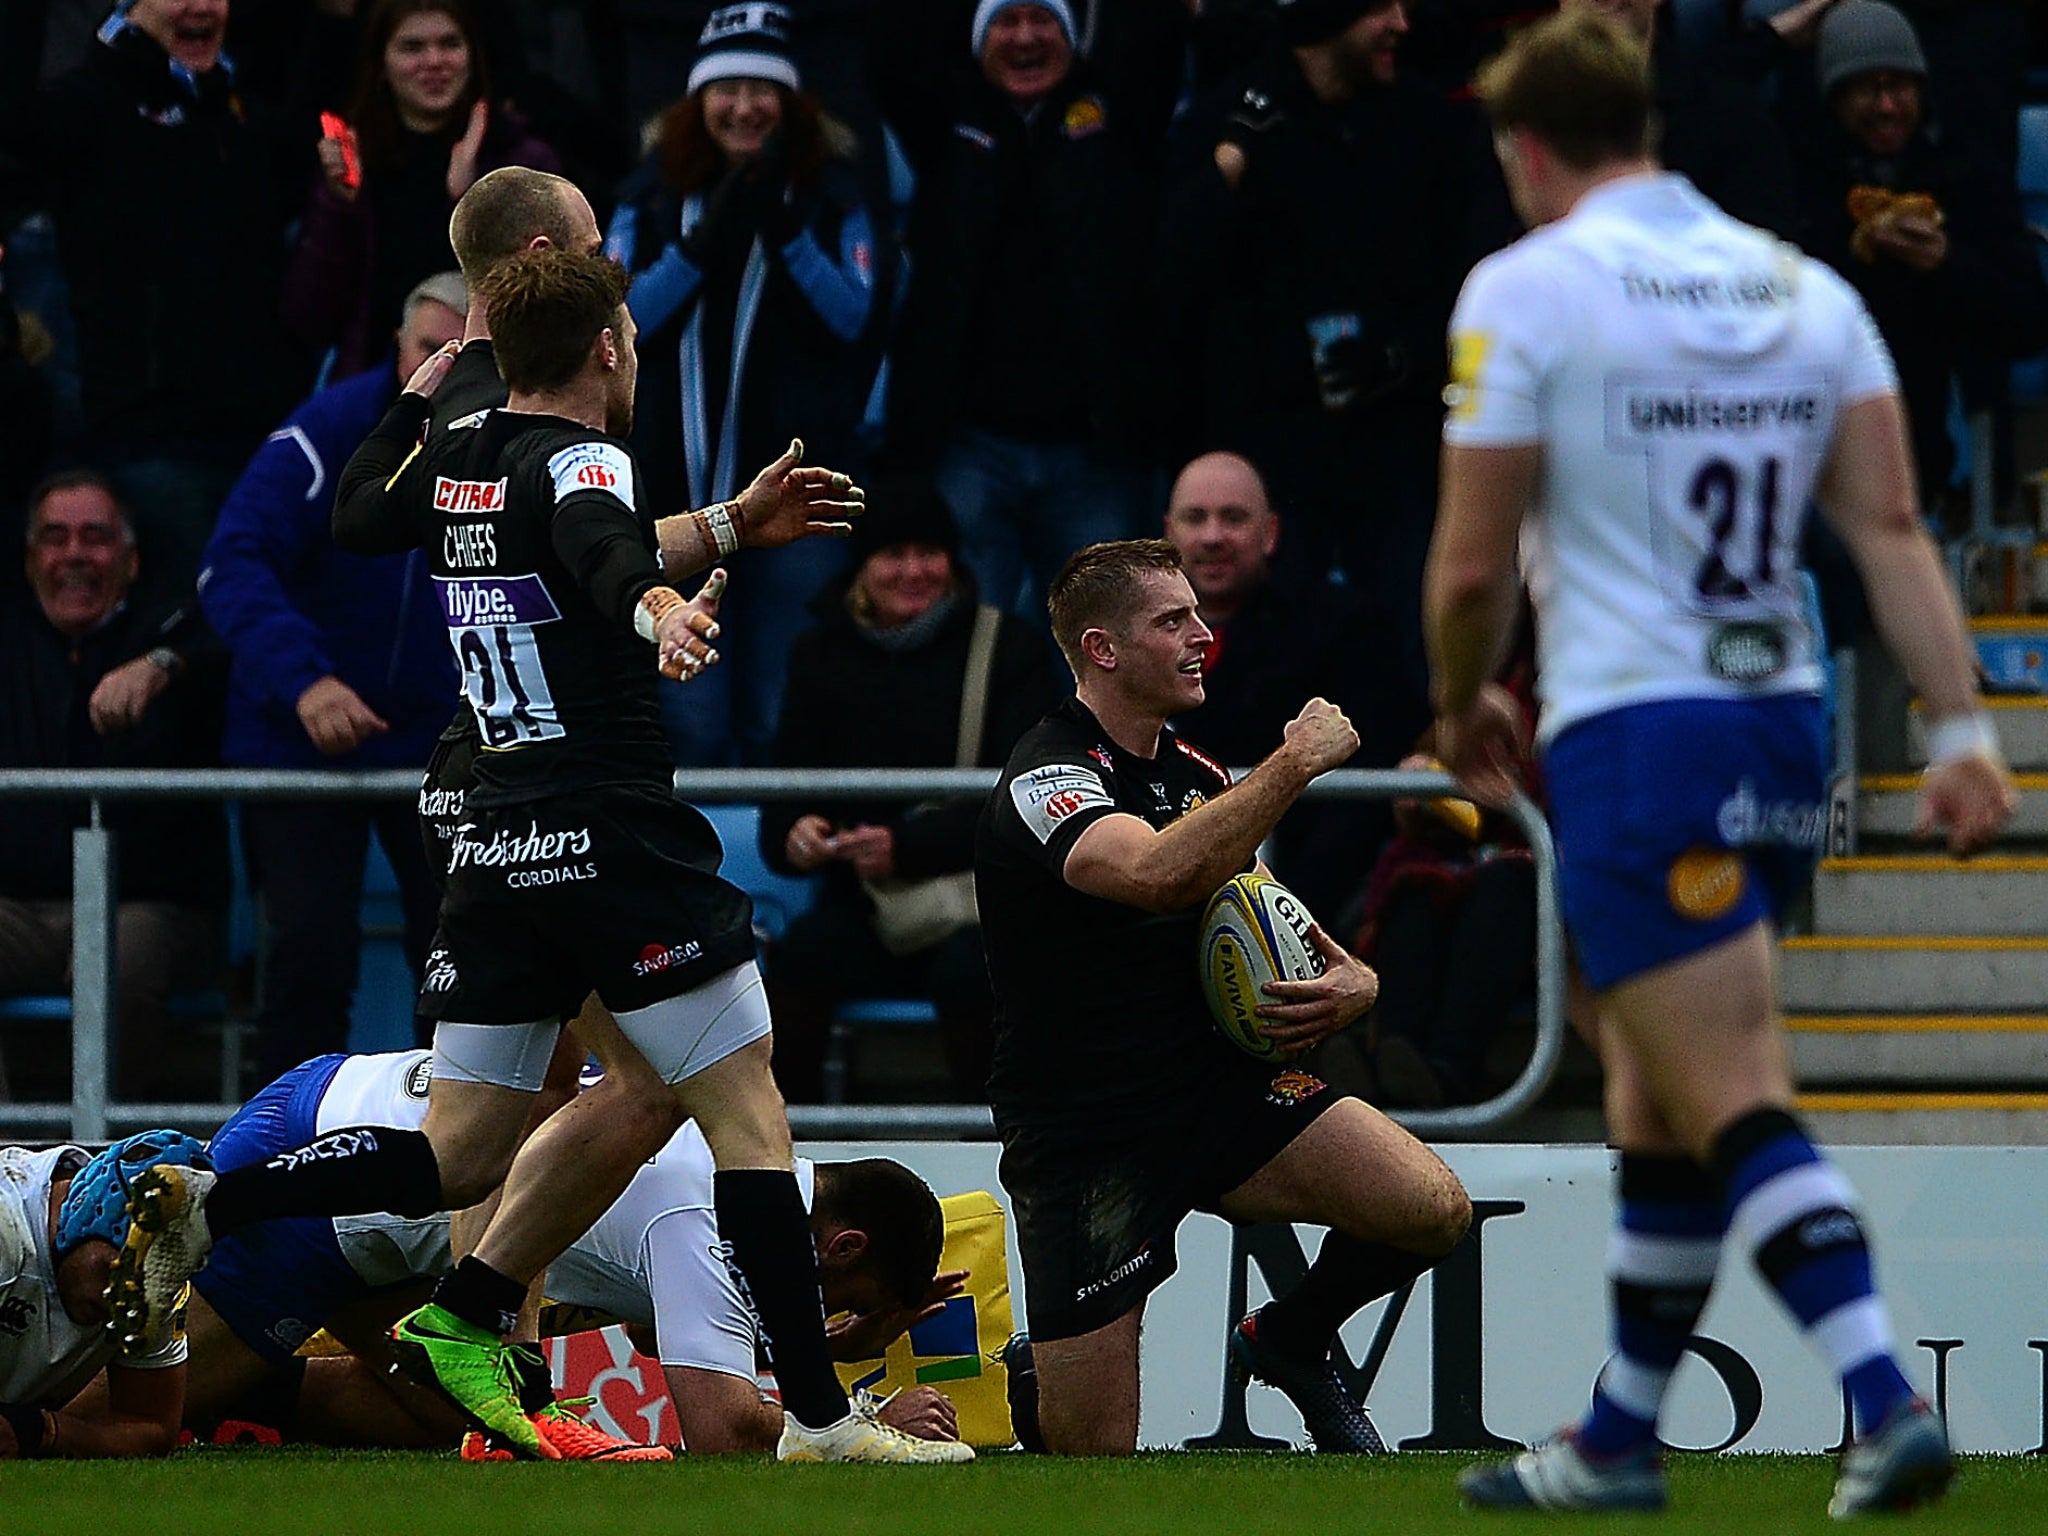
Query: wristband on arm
pixel 655 604
pixel 722 521
pixel 1961 736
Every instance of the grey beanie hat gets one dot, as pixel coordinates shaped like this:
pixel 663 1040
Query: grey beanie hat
pixel 1861 35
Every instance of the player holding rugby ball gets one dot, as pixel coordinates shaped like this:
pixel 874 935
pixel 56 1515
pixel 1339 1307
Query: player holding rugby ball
pixel 1120 1107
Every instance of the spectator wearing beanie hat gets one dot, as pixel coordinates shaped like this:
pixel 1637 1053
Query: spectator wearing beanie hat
pixel 1028 62
pixel 879 683
pixel 754 261
pixel 1935 247
pixel 1019 380
pixel 1864 35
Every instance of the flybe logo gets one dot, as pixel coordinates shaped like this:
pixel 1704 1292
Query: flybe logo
pixel 474 602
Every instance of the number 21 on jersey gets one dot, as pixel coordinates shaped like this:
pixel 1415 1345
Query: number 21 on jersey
pixel 491 623
pixel 1731 465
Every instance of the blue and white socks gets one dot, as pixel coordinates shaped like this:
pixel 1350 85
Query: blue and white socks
pixel 1772 1192
pixel 1661 1262
pixel 1795 1213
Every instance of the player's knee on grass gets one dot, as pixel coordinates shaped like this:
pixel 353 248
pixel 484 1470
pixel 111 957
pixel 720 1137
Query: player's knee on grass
pixel 1088 1390
pixel 1075 1424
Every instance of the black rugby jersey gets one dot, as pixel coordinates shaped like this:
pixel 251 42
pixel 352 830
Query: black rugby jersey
pixel 1099 1008
pixel 539 556
pixel 370 519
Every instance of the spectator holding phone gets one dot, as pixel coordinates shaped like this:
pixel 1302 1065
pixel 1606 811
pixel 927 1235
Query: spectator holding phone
pixel 420 129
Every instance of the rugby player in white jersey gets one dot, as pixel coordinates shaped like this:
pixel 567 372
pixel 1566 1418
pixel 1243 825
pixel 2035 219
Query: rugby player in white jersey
pixel 1646 394
pixel 654 1261
pixel 63 1216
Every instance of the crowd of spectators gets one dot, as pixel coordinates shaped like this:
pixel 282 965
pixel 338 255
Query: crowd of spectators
pixel 1047 270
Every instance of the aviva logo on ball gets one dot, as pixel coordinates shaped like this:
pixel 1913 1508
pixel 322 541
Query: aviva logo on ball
pixel 1254 930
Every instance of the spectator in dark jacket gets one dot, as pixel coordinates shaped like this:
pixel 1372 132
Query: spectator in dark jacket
pixel 92 680
pixel 1021 371
pixel 423 128
pixel 755 265
pixel 170 201
pixel 339 661
pixel 1715 129
pixel 879 684
pixel 1936 249
pixel 1312 257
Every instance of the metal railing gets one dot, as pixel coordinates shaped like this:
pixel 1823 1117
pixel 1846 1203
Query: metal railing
pixel 90 1114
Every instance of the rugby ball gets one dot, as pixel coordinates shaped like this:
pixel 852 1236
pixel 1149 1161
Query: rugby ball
pixel 1254 931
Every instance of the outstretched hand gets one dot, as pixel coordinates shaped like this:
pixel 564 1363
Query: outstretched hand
pixel 790 500
pixel 683 641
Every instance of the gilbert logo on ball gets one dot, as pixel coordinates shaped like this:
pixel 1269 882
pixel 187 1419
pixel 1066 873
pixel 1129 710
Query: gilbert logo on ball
pixel 1254 930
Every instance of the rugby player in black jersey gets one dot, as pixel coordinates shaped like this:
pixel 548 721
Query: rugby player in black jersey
pixel 510 210
pixel 1120 1106
pixel 575 869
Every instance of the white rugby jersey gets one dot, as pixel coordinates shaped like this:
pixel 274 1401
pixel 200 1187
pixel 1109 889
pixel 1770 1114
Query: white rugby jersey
pixel 45 1358
pixel 1683 374
pixel 654 1259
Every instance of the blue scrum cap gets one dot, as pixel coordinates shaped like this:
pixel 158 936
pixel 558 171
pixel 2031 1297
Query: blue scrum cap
pixel 97 1203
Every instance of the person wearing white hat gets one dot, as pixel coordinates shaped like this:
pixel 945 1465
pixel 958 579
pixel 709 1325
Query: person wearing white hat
pixel 1021 375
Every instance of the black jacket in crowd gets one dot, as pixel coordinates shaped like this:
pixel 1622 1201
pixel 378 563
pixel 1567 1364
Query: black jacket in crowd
pixel 1717 133
pixel 1289 643
pixel 1026 310
pixel 1360 217
pixel 851 704
pixel 171 203
pixel 166 850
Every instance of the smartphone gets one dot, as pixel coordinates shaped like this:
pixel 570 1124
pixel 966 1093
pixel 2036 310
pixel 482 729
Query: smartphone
pixel 333 127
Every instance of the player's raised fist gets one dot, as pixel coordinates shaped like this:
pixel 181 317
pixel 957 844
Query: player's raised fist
pixel 1321 735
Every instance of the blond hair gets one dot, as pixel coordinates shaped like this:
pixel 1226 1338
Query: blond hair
pixel 1579 83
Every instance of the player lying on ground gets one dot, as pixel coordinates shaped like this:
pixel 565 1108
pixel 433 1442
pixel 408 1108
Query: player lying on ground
pixel 63 1217
pixel 1120 1106
pixel 654 1262
pixel 1646 396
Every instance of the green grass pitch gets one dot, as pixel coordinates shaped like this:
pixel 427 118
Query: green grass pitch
pixel 323 1493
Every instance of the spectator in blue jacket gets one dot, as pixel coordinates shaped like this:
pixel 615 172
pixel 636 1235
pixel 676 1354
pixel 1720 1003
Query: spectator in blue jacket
pixel 337 662
pixel 754 265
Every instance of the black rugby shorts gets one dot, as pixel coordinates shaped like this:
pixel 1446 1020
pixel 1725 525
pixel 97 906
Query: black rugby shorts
pixel 606 890
pixel 1096 1210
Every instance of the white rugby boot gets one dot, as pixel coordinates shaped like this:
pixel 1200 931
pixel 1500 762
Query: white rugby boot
pixel 862 1436
pixel 168 1241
